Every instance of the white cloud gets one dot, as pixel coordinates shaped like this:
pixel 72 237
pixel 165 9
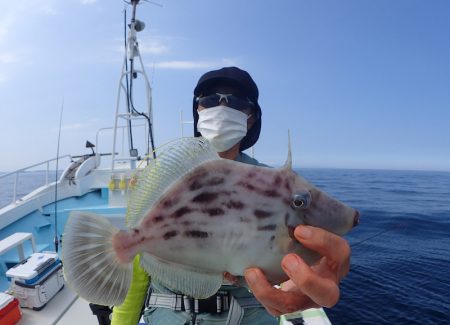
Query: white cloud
pixel 73 127
pixel 146 46
pixel 154 47
pixel 182 64
pixel 21 10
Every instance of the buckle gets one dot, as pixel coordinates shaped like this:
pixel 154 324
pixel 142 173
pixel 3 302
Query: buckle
pixel 212 305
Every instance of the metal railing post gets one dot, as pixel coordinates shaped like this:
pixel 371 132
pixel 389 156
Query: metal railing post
pixel 15 187
pixel 46 173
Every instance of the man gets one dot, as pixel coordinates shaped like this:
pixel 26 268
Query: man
pixel 226 112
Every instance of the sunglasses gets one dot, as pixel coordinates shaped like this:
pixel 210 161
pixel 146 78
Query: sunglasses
pixel 232 101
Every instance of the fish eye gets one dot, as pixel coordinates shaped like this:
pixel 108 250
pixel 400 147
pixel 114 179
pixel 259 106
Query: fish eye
pixel 301 200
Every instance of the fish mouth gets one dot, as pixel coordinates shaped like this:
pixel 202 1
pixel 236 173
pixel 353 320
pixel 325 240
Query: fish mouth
pixel 356 219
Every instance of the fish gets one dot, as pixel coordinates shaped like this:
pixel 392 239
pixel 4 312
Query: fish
pixel 194 217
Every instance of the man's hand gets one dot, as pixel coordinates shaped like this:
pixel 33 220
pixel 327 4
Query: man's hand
pixel 308 287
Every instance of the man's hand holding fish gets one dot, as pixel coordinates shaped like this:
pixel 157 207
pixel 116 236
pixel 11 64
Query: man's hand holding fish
pixel 309 286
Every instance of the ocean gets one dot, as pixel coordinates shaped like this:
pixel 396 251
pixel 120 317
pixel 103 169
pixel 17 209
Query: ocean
pixel 400 260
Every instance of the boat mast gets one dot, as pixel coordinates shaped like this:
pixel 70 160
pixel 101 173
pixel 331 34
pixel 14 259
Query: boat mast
pixel 129 73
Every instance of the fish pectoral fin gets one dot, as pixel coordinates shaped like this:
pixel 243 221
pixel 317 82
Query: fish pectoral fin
pixel 191 282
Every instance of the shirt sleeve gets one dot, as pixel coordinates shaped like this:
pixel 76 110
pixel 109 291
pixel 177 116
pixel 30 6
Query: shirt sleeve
pixel 129 312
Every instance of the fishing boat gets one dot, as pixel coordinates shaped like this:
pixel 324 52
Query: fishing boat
pixel 95 181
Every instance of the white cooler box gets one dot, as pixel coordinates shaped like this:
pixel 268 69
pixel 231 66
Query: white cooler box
pixel 37 280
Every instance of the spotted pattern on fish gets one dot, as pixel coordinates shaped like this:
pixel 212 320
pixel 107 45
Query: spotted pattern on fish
pixel 246 185
pixel 268 193
pixel 267 227
pixel 271 193
pixel 205 197
pixel 181 212
pixel 195 181
pixel 158 218
pixel 170 234
pixel 227 193
pixel 215 181
pixel 214 212
pixel 196 234
pixel 237 205
pixel 287 186
pixel 260 214
pixel 168 203
pixel 277 181
pixel 195 185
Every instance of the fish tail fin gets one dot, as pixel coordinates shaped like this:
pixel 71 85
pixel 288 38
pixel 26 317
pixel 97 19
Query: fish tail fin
pixel 90 262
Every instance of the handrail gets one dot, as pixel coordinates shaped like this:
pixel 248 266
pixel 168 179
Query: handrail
pixel 114 155
pixel 17 172
pixel 112 128
pixel 35 165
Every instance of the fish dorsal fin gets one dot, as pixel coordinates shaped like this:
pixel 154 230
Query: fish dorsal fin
pixel 174 160
pixel 288 164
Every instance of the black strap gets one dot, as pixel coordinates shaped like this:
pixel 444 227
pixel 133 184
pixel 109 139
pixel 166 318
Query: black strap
pixel 215 304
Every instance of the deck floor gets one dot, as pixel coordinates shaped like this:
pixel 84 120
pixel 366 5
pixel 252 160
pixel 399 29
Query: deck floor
pixel 78 313
pixel 64 309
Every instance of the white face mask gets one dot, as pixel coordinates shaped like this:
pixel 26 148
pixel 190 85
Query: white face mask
pixel 222 126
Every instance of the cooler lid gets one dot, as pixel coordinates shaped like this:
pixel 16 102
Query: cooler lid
pixel 34 265
pixel 5 299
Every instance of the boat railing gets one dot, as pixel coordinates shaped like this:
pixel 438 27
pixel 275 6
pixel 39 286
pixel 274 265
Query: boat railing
pixel 14 192
pixel 121 154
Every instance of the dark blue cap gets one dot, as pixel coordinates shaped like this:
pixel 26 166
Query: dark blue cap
pixel 231 76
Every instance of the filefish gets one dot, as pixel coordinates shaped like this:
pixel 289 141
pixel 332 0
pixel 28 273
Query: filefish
pixel 194 217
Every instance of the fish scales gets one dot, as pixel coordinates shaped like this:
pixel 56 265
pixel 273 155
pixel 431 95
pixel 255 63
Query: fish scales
pixel 194 217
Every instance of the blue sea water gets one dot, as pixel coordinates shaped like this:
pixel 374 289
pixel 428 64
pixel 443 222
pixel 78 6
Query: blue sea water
pixel 24 183
pixel 400 263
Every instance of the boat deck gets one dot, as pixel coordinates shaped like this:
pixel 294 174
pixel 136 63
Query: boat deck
pixel 66 308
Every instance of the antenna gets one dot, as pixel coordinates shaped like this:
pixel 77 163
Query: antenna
pixel 56 178
pixel 133 51
pixel 151 2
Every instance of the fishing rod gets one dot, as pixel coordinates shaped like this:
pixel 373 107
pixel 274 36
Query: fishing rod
pixel 56 241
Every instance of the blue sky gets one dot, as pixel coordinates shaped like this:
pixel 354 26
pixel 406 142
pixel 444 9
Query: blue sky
pixel 359 83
